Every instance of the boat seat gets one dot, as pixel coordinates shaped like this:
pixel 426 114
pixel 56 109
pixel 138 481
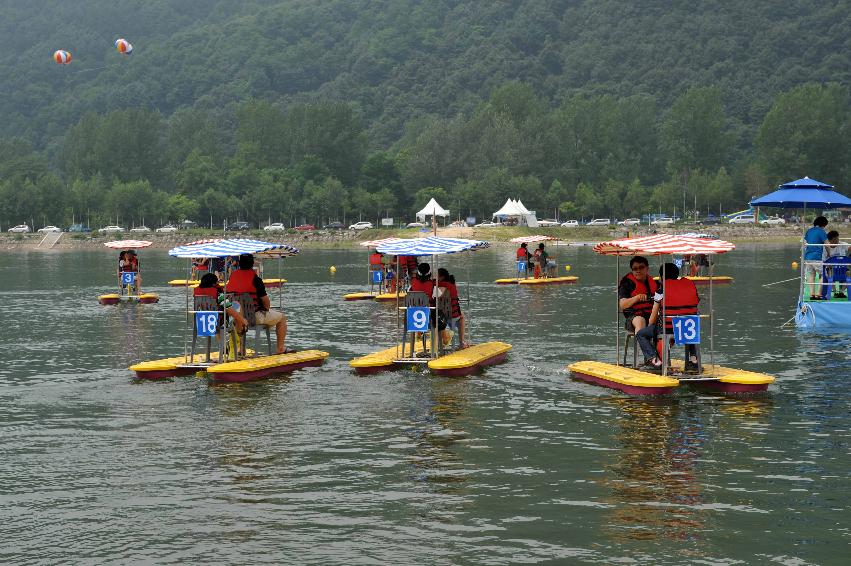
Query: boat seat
pixel 248 308
pixel 203 303
pixel 444 312
pixel 413 299
pixel 834 270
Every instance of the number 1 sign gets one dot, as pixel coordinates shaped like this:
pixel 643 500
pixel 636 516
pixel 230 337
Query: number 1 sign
pixel 686 329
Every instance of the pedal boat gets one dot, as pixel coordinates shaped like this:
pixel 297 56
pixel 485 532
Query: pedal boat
pixel 271 283
pixel 375 287
pixel 634 381
pixel 127 290
pixel 532 280
pixel 439 360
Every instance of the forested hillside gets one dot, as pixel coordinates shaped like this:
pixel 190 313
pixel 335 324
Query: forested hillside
pixel 314 110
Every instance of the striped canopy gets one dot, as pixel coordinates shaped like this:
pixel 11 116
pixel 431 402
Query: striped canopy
pixel 530 239
pixel 226 248
pixel 376 243
pixel 431 245
pixel 661 244
pixel 128 244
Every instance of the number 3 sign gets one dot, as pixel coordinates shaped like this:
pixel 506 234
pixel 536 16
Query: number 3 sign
pixel 686 329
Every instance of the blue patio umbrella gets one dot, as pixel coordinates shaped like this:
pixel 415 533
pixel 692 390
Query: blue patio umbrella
pixel 803 193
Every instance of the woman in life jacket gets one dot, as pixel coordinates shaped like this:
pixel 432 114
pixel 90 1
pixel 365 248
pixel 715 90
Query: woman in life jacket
pixel 677 297
pixel 210 287
pixel 423 283
pixel 635 294
pixel 447 282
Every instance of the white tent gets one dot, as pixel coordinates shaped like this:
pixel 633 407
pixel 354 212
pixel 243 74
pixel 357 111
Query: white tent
pixel 432 209
pixel 515 209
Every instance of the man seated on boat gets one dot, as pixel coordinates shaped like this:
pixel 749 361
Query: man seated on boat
pixel 376 261
pixel 209 287
pixel 447 281
pixel 542 261
pixel 677 297
pixel 524 255
pixel 635 294
pixel 816 236
pixel 246 280
pixel 838 250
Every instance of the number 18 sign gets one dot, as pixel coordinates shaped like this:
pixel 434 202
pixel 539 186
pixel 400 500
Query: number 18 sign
pixel 206 322
pixel 686 329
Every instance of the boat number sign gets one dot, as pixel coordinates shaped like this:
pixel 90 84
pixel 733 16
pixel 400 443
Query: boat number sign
pixel 418 319
pixel 686 329
pixel 521 266
pixel 128 278
pixel 206 322
pixel 377 277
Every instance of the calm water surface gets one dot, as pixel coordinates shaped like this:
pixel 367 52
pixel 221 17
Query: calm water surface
pixel 519 464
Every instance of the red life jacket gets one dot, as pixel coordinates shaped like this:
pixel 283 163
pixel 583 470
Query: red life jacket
pixel 242 281
pixel 375 260
pixel 407 262
pixel 426 286
pixel 206 292
pixel 522 254
pixel 453 296
pixel 642 308
pixel 680 299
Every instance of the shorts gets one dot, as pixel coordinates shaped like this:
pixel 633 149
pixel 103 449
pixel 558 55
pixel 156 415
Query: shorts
pixel 814 268
pixel 269 318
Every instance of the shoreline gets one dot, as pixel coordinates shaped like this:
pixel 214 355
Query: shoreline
pixel 348 239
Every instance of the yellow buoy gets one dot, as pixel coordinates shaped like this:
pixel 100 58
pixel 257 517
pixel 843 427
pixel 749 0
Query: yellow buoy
pixel 794 265
pixel 567 268
pixel 333 269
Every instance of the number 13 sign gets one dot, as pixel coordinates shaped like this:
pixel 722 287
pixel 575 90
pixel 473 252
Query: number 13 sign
pixel 686 329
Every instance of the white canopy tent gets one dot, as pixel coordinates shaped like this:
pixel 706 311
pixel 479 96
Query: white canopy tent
pixel 432 209
pixel 515 209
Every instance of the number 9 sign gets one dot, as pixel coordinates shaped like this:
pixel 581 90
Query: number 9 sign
pixel 418 319
pixel 686 329
pixel 206 322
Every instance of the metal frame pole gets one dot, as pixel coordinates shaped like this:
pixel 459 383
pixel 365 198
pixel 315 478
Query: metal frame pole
pixel 617 311
pixel 711 320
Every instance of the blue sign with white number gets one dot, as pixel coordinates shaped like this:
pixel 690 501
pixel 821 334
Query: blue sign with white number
pixel 128 278
pixel 678 263
pixel 686 329
pixel 418 319
pixel 377 277
pixel 206 322
pixel 521 266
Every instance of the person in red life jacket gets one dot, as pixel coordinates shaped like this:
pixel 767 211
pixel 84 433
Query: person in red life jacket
pixel 200 266
pixel 209 287
pixel 524 255
pixel 447 281
pixel 423 282
pixel 131 265
pixel 678 297
pixel 246 280
pixel 635 294
pixel 407 267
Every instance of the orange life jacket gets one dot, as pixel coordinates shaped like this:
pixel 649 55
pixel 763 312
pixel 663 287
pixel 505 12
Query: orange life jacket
pixel 426 286
pixel 206 292
pixel 522 254
pixel 375 260
pixel 242 281
pixel 642 308
pixel 680 299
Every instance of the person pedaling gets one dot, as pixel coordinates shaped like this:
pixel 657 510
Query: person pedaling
pixel 648 287
pixel 209 287
pixel 246 280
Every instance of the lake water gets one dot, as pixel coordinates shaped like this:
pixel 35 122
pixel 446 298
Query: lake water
pixel 519 464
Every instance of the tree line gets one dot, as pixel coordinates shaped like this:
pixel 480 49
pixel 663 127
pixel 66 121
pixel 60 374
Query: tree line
pixel 586 156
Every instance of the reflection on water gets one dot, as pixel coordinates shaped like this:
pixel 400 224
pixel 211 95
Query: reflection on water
pixel 520 464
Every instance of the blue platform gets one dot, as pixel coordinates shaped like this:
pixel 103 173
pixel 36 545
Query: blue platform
pixel 824 314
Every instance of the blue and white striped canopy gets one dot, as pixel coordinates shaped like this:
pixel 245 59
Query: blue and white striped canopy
pixel 432 245
pixel 226 248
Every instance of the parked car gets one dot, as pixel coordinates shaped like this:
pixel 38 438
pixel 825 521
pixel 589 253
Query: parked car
pixel 415 225
pixel 743 219
pixel 275 227
pixel 458 224
pixel 187 224
pixel 599 222
pixel 20 229
pixel 50 228
pixel 666 221
pixel 361 226
pixel 239 226
pixel 334 226
pixel 111 230
pixel 305 227
pixel 547 223
pixel 709 220
pixel 570 224
pixel 773 221
pixel 82 228
pixel 487 225
pixel 630 222
pixel 167 229
pixel 140 229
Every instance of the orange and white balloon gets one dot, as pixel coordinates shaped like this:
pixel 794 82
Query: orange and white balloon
pixel 62 57
pixel 123 46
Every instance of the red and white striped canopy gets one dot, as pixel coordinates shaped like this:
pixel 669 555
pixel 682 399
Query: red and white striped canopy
pixel 661 244
pixel 376 243
pixel 128 244
pixel 530 239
